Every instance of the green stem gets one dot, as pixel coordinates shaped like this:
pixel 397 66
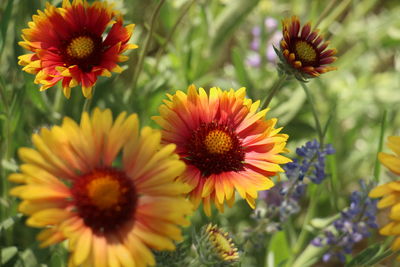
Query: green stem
pixel 178 21
pixel 57 103
pixel 315 115
pixel 327 9
pixel 143 51
pixel 275 87
pixel 377 168
pixel 7 151
pixel 304 232
pixel 8 120
pixel 88 102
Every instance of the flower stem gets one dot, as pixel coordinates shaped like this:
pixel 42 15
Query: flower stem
pixel 327 9
pixel 88 102
pixel 315 115
pixel 143 51
pixel 275 87
pixel 304 232
pixel 377 168
pixel 178 21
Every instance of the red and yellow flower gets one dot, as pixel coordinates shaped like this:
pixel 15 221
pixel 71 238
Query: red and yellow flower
pixel 69 45
pixel 106 187
pixel 390 192
pixel 226 143
pixel 303 51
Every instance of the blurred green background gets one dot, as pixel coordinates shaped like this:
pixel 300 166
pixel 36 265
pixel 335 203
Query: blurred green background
pixel 208 43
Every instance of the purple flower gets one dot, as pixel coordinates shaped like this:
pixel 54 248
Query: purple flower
pixel 256 31
pixel 354 224
pixel 270 24
pixel 254 60
pixel 312 164
pixel 255 44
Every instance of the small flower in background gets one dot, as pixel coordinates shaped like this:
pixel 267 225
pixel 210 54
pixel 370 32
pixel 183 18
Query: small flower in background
pixel 69 45
pixel 226 143
pixel 312 163
pixel 355 223
pixel 282 201
pixel 273 37
pixel 303 52
pixel 106 187
pixel 216 248
pixel 390 192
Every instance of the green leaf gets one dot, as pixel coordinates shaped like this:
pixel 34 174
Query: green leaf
pixel 35 97
pixel 7 254
pixel 230 19
pixel 5 19
pixel 240 69
pixel 365 256
pixel 279 247
pixel 28 258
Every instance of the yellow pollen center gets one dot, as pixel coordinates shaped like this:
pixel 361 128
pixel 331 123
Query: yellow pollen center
pixel 218 142
pixel 80 47
pixel 104 192
pixel 305 51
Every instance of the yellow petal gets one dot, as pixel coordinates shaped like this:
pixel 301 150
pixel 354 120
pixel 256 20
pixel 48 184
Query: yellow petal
pixel 48 217
pixel 83 247
pixel 394 144
pixel 396 244
pixel 386 230
pixel 390 161
pixel 380 191
pixel 387 201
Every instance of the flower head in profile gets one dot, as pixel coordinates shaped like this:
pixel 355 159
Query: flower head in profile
pixel 69 44
pixel 216 248
pixel 390 192
pixel 226 143
pixel 303 52
pixel 222 244
pixel 106 187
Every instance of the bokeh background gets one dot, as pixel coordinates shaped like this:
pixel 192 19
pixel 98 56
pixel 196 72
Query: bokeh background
pixel 224 43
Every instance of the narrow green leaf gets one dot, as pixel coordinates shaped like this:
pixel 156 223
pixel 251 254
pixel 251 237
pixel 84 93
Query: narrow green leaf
pixel 279 247
pixel 366 255
pixel 5 19
pixel 240 68
pixel 230 19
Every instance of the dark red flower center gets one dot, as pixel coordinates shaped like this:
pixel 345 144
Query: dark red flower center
pixel 83 50
pixel 305 52
pixel 215 148
pixel 105 199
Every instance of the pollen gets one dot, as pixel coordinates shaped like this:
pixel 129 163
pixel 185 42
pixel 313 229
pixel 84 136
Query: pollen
pixel 104 192
pixel 305 52
pixel 218 142
pixel 80 47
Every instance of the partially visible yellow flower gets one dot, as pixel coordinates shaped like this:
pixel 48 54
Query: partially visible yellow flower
pixel 69 44
pixel 226 143
pixel 390 192
pixel 105 186
pixel 302 52
pixel 222 244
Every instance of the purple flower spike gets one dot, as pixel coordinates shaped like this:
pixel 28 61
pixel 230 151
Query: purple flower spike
pixel 354 224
